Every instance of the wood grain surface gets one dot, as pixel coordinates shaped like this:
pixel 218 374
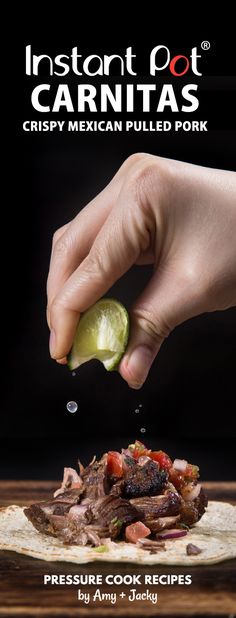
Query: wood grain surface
pixel 23 593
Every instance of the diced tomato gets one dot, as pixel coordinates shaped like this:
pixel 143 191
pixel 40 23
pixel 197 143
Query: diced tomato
pixel 162 458
pixel 136 531
pixel 176 478
pixel 138 449
pixel 115 464
pixel 181 480
pixel 76 485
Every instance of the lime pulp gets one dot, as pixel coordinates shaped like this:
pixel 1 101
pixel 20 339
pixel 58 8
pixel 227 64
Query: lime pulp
pixel 102 334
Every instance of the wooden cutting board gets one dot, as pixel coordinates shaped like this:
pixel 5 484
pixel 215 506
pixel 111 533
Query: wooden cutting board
pixel 23 594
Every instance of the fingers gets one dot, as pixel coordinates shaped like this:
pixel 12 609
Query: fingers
pixel 116 247
pixel 97 248
pixel 56 237
pixel 72 243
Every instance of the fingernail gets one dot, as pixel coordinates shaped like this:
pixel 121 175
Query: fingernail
pixel 52 342
pixel 135 386
pixel 138 365
pixel 62 361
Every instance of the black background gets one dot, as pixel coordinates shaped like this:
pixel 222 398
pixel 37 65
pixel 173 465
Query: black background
pixel 188 401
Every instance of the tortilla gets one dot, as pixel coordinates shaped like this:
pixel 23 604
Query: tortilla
pixel 214 534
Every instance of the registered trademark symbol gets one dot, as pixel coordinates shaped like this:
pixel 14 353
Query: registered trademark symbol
pixel 205 45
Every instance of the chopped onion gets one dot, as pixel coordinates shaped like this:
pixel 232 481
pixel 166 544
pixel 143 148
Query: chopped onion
pixel 126 452
pixel 174 533
pixel 149 543
pixel 143 460
pixel 127 459
pixel 180 465
pixel 191 492
pixel 192 550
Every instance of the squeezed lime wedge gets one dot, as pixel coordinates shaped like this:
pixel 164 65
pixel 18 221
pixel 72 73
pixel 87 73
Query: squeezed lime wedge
pixel 102 333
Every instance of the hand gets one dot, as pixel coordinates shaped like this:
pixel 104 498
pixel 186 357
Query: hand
pixel 177 216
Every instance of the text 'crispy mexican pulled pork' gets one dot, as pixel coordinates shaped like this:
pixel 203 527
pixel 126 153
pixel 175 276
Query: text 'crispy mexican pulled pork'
pixel 131 495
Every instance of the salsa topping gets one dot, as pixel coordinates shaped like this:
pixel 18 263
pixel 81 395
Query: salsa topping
pixel 138 495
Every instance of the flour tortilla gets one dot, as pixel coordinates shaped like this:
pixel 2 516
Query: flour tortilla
pixel 214 534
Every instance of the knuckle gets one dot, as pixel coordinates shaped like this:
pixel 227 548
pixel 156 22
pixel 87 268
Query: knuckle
pixel 151 179
pixel 142 178
pixel 61 248
pixel 57 305
pixel 132 160
pixel 145 175
pixel 58 234
pixel 155 327
pixel 94 265
pixel 135 157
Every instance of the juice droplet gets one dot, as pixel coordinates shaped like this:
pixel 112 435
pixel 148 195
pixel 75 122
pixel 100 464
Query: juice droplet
pixel 140 405
pixel 72 406
pixel 137 410
pixel 143 430
pixel 73 374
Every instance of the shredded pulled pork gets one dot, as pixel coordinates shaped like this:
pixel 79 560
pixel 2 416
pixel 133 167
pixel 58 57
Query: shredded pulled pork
pixel 95 504
pixel 95 479
pixel 144 480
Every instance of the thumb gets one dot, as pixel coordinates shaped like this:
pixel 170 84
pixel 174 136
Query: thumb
pixel 145 343
pixel 148 331
pixel 168 300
